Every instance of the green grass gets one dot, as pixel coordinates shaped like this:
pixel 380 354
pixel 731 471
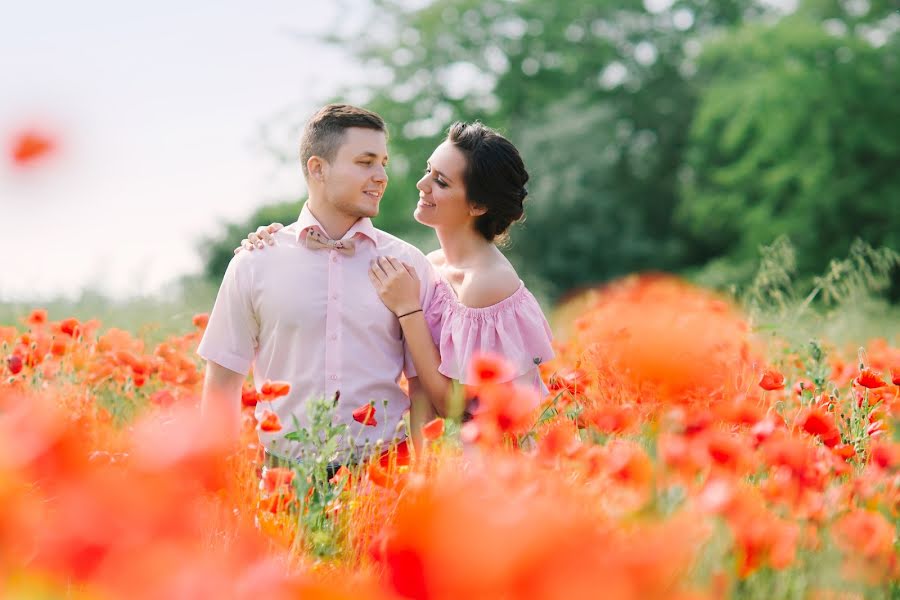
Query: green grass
pixel 153 318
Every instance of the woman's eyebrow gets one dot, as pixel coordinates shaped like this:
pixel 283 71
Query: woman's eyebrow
pixel 442 175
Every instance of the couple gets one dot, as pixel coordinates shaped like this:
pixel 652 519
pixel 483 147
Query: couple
pixel 338 308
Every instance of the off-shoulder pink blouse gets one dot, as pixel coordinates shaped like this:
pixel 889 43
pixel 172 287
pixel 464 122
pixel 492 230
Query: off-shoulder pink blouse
pixel 514 328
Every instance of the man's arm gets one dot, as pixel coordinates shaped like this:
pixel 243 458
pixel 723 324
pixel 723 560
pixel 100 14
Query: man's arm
pixel 421 411
pixel 221 398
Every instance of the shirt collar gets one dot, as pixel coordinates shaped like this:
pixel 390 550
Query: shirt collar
pixel 306 219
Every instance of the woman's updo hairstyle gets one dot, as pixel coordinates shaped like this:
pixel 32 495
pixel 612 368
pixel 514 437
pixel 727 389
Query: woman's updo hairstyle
pixel 494 177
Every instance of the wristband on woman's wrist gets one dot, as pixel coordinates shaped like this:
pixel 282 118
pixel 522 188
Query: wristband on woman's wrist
pixel 412 312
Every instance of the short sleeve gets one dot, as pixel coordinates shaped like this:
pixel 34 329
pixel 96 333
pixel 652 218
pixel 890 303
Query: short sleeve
pixel 514 329
pixel 231 337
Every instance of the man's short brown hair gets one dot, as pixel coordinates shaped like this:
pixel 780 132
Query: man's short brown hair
pixel 324 132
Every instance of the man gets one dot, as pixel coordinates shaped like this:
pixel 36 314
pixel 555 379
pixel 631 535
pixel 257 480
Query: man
pixel 304 311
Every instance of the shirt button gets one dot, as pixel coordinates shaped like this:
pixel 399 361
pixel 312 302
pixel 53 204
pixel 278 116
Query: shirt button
pixel 334 296
pixel 334 336
pixel 334 258
pixel 334 377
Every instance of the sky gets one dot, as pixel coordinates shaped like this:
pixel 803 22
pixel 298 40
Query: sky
pixel 157 110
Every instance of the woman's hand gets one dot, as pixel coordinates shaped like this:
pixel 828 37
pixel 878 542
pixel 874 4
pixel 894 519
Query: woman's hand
pixel 397 284
pixel 259 238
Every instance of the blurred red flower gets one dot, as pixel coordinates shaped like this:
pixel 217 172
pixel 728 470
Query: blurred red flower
pixel 278 480
pixel 433 429
pixel 249 395
pixel 819 423
pixel 14 363
pixel 201 320
pixel 771 380
pixel 30 145
pixel 37 317
pixel 487 369
pixel 271 390
pixel 269 422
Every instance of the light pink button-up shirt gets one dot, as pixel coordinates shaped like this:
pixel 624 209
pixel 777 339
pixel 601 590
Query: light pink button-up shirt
pixel 312 318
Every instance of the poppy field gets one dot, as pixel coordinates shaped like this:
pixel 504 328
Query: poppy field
pixel 682 452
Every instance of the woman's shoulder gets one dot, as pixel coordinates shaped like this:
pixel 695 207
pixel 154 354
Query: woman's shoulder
pixel 489 286
pixel 436 258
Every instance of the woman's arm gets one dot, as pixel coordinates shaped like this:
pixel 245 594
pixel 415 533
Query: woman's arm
pixel 398 287
pixel 421 412
pixel 426 358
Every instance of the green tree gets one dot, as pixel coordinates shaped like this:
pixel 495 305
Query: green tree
pixel 598 96
pixel 605 99
pixel 217 251
pixel 797 133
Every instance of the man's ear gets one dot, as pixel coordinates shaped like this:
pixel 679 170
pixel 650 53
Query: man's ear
pixel 316 167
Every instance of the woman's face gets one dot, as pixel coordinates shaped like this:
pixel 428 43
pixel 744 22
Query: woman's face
pixel 442 193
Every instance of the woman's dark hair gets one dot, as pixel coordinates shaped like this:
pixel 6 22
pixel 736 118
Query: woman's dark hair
pixel 494 177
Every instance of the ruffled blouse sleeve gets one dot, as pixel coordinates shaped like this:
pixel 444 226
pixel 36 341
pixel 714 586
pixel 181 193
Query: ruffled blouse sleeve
pixel 515 328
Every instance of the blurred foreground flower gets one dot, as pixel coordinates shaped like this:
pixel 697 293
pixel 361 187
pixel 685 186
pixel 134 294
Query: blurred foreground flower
pixel 30 146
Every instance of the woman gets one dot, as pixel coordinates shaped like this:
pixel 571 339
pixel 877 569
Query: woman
pixel 473 189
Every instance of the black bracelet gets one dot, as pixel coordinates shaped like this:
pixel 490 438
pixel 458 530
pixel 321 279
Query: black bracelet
pixel 410 313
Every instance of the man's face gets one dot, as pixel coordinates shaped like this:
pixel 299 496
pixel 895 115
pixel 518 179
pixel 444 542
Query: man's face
pixel 355 180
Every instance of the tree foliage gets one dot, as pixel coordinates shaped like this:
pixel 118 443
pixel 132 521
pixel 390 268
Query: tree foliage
pixel 217 251
pixel 660 134
pixel 797 133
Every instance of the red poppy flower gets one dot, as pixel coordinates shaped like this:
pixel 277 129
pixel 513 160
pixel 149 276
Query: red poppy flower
pixel 341 474
pixel 365 414
pixel 487 369
pixel 886 455
pixel 895 376
pixel 59 346
pixel 875 429
pixel 276 503
pixel 870 379
pixel 819 423
pixel 867 540
pixel 570 380
pixel 433 429
pixel 201 320
pixel 15 364
pixel 397 455
pixel 249 395
pixel 37 317
pixel 278 480
pixel 377 475
pixel 771 380
pixel 269 422
pixel 844 451
pixel 70 327
pixel 274 389
pixel 29 146
pixel 607 418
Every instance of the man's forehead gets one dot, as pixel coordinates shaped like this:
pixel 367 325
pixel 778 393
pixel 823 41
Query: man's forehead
pixel 365 141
